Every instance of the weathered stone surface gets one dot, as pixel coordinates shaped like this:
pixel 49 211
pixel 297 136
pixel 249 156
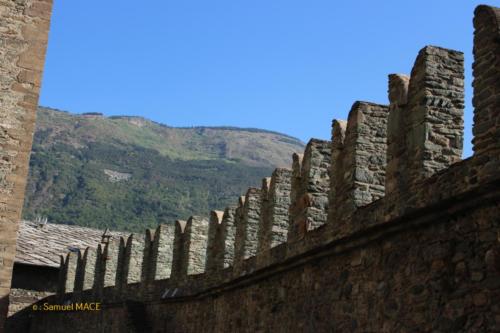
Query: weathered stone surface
pixel 106 266
pixel 336 177
pixel 275 202
pixel 162 252
pixel 264 213
pixel 197 233
pixel 110 262
pixel 310 187
pixel 147 261
pixel 23 298
pixel 228 234
pixel 247 226
pixel 215 243
pixel 80 272
pixel 67 274
pixel 120 266
pixel 178 271
pixel 190 247
pixel 396 134
pixel 434 124
pixel 88 268
pixel 295 195
pixel 425 129
pixel 359 169
pixel 416 270
pixel 130 261
pixel 24 28
pixel 423 256
pixel 486 84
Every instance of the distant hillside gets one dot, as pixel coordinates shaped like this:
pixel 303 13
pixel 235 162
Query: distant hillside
pixel 130 173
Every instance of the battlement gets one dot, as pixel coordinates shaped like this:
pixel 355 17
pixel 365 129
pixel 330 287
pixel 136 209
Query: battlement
pixel 381 151
pixel 390 173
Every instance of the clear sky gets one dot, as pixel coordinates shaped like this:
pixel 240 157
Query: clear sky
pixel 284 65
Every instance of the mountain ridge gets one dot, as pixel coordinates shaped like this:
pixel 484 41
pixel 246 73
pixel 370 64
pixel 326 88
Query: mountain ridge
pixel 132 173
pixel 220 127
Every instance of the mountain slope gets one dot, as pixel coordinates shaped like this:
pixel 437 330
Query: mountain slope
pixel 129 173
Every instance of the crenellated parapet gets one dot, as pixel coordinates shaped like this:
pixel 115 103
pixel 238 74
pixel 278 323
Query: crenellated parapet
pixel 425 127
pixel 275 203
pixel 147 269
pixel 296 193
pixel 434 127
pixel 215 242
pixel 309 188
pixel 388 170
pixel 264 213
pixel 336 177
pixel 396 134
pixel 86 270
pixel 109 262
pixel 486 70
pixel 358 169
pixel 130 261
pixel 178 250
pixel 190 247
pixel 227 236
pixel 161 251
pixel 106 265
pixel 196 246
pixel 247 226
pixel 67 273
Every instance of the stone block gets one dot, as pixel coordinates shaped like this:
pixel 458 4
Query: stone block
pixel 336 177
pixel 120 266
pixel 67 272
pixel 130 260
pixel 147 261
pixel 190 247
pixel 228 229
pixel 106 266
pixel 215 243
pixel 309 188
pixel 486 70
pixel 110 261
pixel 247 226
pixel 265 213
pixel 24 29
pixel 358 171
pixel 434 113
pixel 274 219
pixel 196 244
pixel 396 133
pixel 162 252
pixel 88 268
pixel 178 271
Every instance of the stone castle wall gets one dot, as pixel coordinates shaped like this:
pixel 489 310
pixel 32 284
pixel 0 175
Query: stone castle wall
pixel 24 26
pixel 381 229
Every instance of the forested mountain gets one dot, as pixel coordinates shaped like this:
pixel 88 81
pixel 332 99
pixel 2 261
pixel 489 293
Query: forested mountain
pixel 130 173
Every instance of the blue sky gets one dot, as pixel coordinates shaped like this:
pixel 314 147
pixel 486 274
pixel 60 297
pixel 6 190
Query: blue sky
pixel 284 65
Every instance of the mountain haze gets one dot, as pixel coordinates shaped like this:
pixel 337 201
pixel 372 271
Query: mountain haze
pixel 130 173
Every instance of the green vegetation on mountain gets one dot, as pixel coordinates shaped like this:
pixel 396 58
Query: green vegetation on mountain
pixel 129 173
